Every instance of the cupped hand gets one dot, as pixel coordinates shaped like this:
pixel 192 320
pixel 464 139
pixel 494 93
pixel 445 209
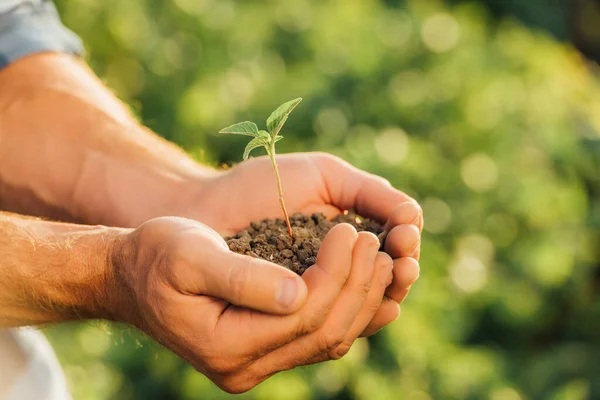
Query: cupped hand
pixel 239 319
pixel 318 182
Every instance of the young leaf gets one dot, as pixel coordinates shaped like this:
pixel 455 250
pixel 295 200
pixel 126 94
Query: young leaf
pixel 242 128
pixel 279 116
pixel 265 135
pixel 278 138
pixel 253 144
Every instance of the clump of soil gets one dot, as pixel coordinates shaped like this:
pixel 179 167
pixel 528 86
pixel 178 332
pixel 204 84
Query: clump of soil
pixel 269 239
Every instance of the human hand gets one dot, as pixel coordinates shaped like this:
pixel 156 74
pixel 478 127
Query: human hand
pixel 317 182
pixel 239 319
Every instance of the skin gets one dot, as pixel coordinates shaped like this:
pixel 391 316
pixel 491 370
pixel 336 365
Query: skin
pixel 70 151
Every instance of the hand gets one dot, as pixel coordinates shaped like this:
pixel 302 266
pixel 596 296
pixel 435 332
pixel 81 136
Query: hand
pixel 317 182
pixel 239 319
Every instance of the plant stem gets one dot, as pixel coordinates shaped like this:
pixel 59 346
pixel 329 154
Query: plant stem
pixel 271 152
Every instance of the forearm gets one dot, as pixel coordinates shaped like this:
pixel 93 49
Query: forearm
pixel 53 272
pixel 70 150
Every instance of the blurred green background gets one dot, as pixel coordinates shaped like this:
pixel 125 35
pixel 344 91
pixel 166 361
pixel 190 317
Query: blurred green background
pixel 483 111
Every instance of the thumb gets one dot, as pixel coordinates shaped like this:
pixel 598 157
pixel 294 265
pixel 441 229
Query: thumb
pixel 252 283
pixel 349 187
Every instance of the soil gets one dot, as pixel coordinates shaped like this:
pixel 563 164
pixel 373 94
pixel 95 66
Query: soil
pixel 269 239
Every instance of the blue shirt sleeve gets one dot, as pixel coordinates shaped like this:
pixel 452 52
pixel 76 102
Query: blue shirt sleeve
pixel 32 26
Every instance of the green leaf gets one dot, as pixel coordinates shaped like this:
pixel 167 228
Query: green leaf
pixel 278 138
pixel 265 135
pixel 279 116
pixel 242 128
pixel 253 144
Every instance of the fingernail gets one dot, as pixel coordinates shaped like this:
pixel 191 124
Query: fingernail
pixel 384 274
pixel 286 292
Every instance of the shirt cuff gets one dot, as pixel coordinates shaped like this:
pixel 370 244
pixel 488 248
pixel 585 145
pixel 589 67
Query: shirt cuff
pixel 33 26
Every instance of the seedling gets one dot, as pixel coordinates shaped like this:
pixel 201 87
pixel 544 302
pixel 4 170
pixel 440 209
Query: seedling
pixel 267 140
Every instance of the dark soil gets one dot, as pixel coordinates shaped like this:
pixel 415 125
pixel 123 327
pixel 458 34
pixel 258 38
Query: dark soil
pixel 269 239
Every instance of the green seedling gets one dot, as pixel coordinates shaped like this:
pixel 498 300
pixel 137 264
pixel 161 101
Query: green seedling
pixel 267 139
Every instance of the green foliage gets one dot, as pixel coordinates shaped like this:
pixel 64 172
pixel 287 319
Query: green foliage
pixel 242 128
pixel 493 127
pixel 255 143
pixel 263 138
pixel 278 117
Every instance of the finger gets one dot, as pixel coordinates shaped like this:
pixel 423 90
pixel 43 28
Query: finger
pixel 405 213
pixel 339 320
pixel 349 187
pixel 382 277
pixel 406 272
pixel 356 287
pixel 241 280
pixel 403 241
pixel 388 312
pixel 334 264
pixel 352 300
pixel 256 334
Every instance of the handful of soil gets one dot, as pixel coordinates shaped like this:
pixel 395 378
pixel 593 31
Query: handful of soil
pixel 269 239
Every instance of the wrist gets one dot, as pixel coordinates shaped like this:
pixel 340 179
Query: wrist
pixel 54 272
pixel 85 287
pixel 120 301
pixel 178 195
pixel 127 190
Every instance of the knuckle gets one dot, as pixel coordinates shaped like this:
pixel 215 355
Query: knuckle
pixel 242 382
pixel 239 278
pixel 373 307
pixel 223 366
pixel 373 304
pixel 363 288
pixel 340 351
pixel 237 383
pixel 311 324
pixel 330 339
